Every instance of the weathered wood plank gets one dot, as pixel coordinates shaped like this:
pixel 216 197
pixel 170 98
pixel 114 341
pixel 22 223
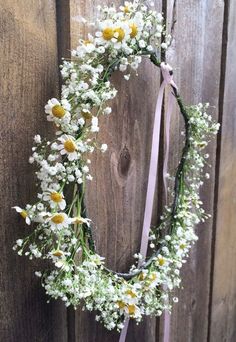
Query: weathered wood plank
pixel 63 29
pixel 195 54
pixel 29 76
pixel 117 194
pixel 223 309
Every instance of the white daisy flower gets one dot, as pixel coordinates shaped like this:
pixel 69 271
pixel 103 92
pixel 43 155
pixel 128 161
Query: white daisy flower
pixel 129 309
pixel 130 296
pixel 89 46
pixel 136 27
pixel 68 146
pixel 56 199
pixel 59 221
pixel 23 213
pixel 153 279
pixel 81 220
pixel 57 110
pixel 160 261
pixel 106 33
pixel 132 310
pixel 57 253
pixel 113 33
pixel 128 7
pixel 63 265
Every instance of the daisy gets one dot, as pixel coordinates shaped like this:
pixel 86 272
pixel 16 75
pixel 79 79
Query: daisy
pixel 129 309
pixel 57 110
pixel 55 199
pixel 88 44
pixel 59 221
pixel 128 7
pixel 153 279
pixel 113 33
pixel 59 259
pixel 106 33
pixel 130 296
pixel 122 33
pixel 161 261
pixel 81 220
pixel 136 27
pixel 63 264
pixel 132 310
pixel 57 253
pixel 68 146
pixel 86 114
pixel 23 213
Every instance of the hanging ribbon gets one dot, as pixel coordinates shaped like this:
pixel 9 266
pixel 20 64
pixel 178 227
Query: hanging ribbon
pixel 166 71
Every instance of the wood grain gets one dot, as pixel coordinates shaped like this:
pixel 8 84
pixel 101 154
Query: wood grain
pixel 116 196
pixel 223 310
pixel 34 36
pixel 192 52
pixel 28 78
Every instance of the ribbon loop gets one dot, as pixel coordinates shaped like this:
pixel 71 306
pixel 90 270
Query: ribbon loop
pixel 167 72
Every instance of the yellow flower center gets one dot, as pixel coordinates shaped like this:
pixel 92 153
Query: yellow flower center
pixel 121 304
pixel 153 276
pixel 24 214
pixel 87 41
pixel 161 261
pixel 182 246
pixel 120 34
pixel 131 309
pixel 69 146
pixel 56 197
pixel 142 276
pixel 126 9
pixel 57 253
pixel 86 115
pixel 108 33
pixel 79 220
pixel 134 30
pixel 58 218
pixel 202 144
pixel 58 111
pixel 131 293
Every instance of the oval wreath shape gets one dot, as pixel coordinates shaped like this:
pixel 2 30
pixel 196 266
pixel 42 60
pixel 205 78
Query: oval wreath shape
pixel 62 232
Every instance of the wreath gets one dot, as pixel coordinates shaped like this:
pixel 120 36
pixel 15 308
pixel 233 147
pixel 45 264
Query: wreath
pixel 62 232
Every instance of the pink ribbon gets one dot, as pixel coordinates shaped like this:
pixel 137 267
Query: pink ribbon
pixel 167 80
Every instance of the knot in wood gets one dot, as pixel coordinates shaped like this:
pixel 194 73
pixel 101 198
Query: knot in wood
pixel 124 162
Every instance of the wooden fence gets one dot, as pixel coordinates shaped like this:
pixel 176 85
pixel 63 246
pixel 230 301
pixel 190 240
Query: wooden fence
pixel 34 35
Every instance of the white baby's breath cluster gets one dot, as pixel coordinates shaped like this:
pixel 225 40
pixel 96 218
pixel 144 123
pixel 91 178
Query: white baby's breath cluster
pixel 61 231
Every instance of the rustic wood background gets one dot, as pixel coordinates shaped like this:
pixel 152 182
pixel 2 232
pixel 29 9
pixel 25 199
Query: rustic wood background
pixel 34 35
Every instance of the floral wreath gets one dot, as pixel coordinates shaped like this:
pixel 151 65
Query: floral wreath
pixel 62 231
